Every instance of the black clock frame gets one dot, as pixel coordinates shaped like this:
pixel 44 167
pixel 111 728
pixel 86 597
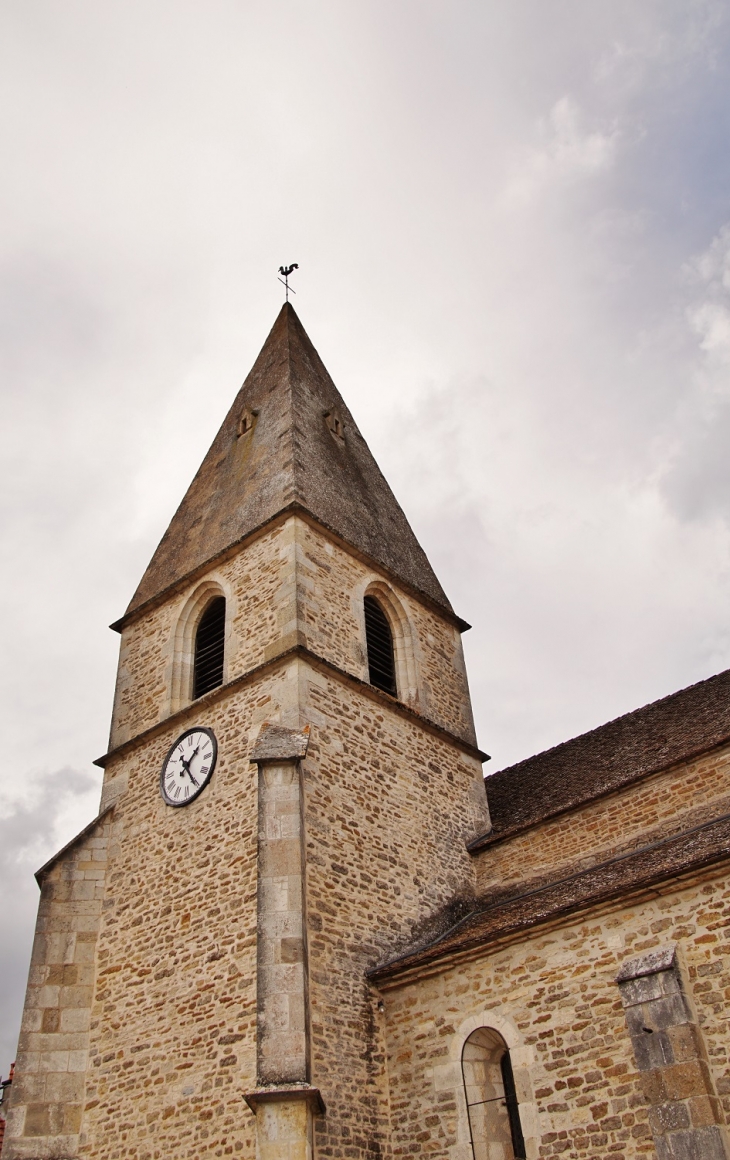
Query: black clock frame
pixel 168 755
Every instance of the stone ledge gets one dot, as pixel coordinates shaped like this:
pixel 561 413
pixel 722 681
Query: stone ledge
pixel 292 509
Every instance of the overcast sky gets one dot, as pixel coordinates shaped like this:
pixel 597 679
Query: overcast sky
pixel 512 220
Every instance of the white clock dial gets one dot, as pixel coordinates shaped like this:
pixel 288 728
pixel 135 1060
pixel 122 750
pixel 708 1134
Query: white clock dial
pixel 189 766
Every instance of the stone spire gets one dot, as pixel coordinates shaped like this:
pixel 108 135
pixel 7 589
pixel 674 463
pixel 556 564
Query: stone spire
pixel 288 443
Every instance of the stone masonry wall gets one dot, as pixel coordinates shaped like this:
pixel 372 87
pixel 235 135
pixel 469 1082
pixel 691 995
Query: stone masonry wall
pixel 586 835
pixel 47 1095
pixel 389 809
pixel 553 997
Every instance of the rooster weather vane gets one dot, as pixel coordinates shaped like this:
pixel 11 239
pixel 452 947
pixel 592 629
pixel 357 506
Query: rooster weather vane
pixel 286 271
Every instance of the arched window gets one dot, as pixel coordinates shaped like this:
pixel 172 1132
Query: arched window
pixel 209 644
pixel 494 1118
pixel 379 638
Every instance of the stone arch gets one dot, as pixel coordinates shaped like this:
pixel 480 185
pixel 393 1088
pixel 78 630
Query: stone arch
pixel 406 674
pixel 181 690
pixel 499 1029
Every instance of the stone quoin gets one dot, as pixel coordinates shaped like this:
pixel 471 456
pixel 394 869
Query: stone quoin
pixel 302 924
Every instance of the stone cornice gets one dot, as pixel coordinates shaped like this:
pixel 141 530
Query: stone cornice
pixel 298 650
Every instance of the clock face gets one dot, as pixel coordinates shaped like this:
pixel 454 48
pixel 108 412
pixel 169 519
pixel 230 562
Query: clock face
pixel 189 766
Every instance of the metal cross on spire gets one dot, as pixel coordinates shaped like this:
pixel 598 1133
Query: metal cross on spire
pixel 286 271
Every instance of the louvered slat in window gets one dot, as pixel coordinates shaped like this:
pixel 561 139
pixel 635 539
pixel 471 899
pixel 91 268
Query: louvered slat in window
pixel 379 638
pixel 209 647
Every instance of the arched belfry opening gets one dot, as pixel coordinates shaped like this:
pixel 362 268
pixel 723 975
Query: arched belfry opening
pixel 491 1098
pixel 209 648
pixel 379 640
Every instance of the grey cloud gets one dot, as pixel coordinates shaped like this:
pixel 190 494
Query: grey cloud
pixel 31 830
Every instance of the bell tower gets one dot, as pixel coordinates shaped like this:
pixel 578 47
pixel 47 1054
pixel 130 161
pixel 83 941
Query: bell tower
pixel 291 782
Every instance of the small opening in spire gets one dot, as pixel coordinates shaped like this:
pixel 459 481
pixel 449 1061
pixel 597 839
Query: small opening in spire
pixel 335 425
pixel 246 422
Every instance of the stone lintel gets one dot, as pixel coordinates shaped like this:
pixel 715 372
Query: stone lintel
pixel 275 743
pixel 271 1095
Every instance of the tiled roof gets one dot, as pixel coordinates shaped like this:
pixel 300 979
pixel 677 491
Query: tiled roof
pixel 674 729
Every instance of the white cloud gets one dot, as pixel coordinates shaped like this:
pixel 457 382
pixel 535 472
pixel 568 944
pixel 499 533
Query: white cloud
pixel 711 322
pixel 568 151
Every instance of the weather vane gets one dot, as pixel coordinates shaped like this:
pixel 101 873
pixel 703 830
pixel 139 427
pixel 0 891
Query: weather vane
pixel 286 271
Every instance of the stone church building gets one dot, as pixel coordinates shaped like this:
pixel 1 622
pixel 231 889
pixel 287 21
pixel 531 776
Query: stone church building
pixel 299 927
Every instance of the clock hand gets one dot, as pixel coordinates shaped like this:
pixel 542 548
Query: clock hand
pixel 192 755
pixel 186 765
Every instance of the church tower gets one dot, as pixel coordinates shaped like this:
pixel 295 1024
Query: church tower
pixel 291 784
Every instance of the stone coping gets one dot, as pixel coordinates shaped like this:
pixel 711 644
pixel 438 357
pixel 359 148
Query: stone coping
pixel 275 743
pixel 40 874
pixel 651 963
pixel 283 1094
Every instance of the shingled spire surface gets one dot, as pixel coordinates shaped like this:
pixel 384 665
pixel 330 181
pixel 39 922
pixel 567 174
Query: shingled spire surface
pixel 302 450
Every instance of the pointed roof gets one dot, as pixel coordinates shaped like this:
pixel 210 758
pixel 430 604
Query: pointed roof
pixel 302 451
